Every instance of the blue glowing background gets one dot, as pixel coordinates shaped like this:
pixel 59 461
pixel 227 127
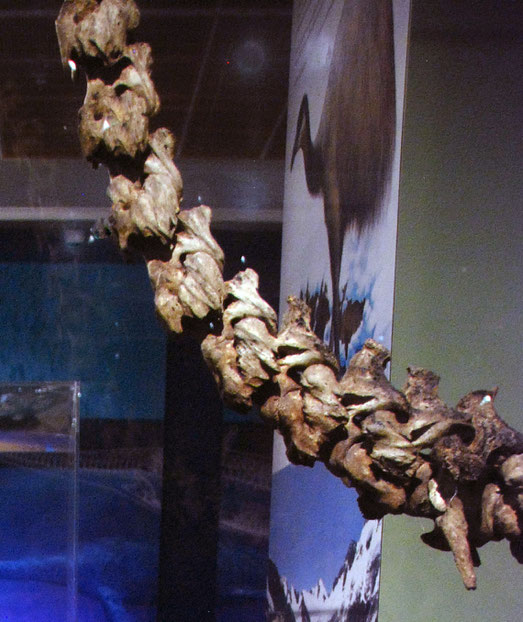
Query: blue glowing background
pixel 307 542
pixel 89 322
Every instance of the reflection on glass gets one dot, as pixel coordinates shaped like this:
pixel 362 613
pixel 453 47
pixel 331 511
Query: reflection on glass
pixel 38 506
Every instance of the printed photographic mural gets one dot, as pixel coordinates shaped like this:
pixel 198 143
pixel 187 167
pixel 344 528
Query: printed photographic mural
pixel 341 194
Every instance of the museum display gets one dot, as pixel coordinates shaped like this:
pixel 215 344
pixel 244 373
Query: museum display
pixel 405 452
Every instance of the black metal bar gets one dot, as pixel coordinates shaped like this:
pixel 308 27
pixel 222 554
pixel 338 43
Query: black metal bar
pixel 192 450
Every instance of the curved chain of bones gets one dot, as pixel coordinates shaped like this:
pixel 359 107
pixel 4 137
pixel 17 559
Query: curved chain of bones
pixel 405 452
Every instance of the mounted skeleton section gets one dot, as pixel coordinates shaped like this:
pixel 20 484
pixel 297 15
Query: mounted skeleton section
pixel 405 452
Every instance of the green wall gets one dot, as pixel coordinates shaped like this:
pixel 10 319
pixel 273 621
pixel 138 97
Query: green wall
pixel 459 274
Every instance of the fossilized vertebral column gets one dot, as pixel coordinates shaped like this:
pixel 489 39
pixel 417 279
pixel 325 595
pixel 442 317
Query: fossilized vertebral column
pixel 404 451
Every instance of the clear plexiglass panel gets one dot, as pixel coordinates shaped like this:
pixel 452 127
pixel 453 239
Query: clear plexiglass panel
pixel 38 504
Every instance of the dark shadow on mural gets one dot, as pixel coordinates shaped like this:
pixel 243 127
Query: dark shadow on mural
pixel 349 160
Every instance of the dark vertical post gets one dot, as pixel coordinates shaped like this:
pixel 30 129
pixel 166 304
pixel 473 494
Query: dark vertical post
pixel 192 449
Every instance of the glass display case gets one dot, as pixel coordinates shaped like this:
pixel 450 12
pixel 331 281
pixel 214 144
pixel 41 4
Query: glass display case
pixel 39 503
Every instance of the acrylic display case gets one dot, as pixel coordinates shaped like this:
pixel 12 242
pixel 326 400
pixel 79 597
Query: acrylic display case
pixel 80 532
pixel 39 501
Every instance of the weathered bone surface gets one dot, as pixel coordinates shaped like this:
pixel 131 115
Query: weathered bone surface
pixel 404 451
pixel 189 282
pixel 91 29
pixel 149 209
pixel 242 358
